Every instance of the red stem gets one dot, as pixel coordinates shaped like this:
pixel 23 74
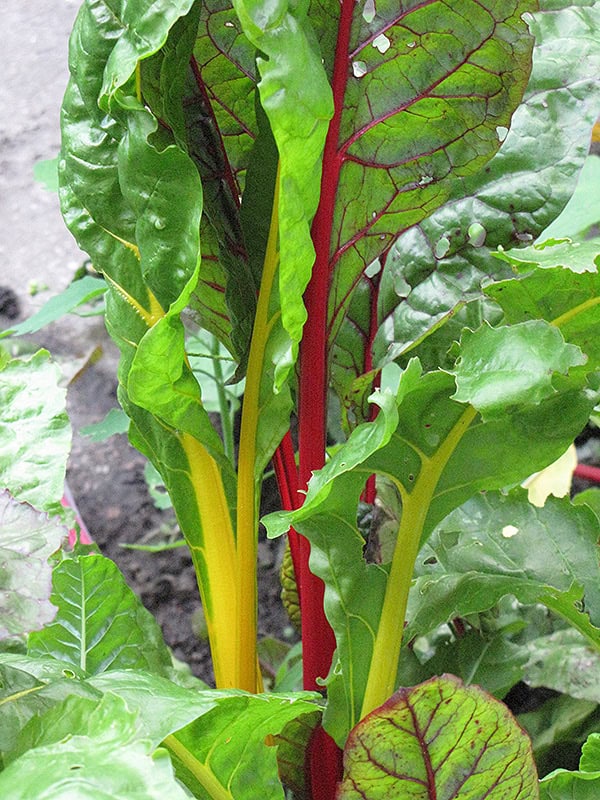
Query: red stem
pixel 587 472
pixel 318 640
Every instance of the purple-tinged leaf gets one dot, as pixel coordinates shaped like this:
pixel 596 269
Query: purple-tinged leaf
pixel 442 261
pixel 439 740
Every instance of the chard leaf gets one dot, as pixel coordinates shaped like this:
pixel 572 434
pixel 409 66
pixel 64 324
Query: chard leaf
pixel 565 662
pixel 513 365
pixel 76 294
pixel 578 785
pixel 437 264
pixel 35 435
pixel 27 540
pixel 100 624
pixel 227 749
pixel 439 739
pixel 438 453
pixel 30 686
pixel 390 169
pixel 577 256
pixel 558 729
pixel 496 545
pixel 100 758
pixel 298 111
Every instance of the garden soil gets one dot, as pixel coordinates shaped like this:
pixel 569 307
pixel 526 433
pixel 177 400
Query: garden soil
pixel 38 258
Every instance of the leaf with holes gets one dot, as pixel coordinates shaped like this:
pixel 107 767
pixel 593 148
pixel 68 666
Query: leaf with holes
pixel 439 739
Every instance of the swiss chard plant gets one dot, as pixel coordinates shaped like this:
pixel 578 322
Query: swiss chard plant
pixel 347 197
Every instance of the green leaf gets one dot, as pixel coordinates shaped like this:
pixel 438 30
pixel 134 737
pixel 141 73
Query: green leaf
pixel 46 173
pixel 567 299
pixel 100 757
pixel 227 750
pixel 580 785
pixel 514 198
pixel 27 540
pixel 502 367
pixel 565 662
pixel 299 111
pixel 76 294
pixel 583 209
pixel 558 729
pixel 100 624
pixel 439 739
pixel 162 707
pixel 116 421
pixel 496 545
pixel 578 256
pixel 35 435
pixel 438 453
pixel 30 686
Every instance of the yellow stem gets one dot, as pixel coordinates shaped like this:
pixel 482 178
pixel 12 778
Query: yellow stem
pixel 386 651
pixel 573 312
pixel 247 512
pixel 215 560
pixel 203 774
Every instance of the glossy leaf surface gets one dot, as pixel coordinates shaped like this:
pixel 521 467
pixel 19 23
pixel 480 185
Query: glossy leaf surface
pixel 578 785
pixel 442 261
pixel 436 740
pixel 496 545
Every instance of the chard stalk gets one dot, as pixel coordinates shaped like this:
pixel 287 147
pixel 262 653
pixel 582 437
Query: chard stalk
pixel 247 511
pixel 381 681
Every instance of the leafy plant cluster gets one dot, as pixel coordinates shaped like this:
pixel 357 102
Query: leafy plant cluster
pixel 343 200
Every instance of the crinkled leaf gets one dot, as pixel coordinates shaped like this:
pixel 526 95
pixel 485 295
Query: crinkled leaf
pixel 578 256
pixel 100 758
pixel 299 111
pixel 496 545
pixel 438 264
pixel 231 749
pixel 27 539
pixel 402 69
pixel 100 624
pixel 439 739
pixel 565 662
pixel 35 435
pixel 513 365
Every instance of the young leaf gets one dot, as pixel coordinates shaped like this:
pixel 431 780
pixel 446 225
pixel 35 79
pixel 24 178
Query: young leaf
pixel 35 435
pixel 439 739
pixel 27 539
pixel 100 624
pixel 509 366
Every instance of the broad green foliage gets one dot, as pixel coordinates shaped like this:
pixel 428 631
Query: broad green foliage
pixel 283 197
pixel 439 739
pixel 580 785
